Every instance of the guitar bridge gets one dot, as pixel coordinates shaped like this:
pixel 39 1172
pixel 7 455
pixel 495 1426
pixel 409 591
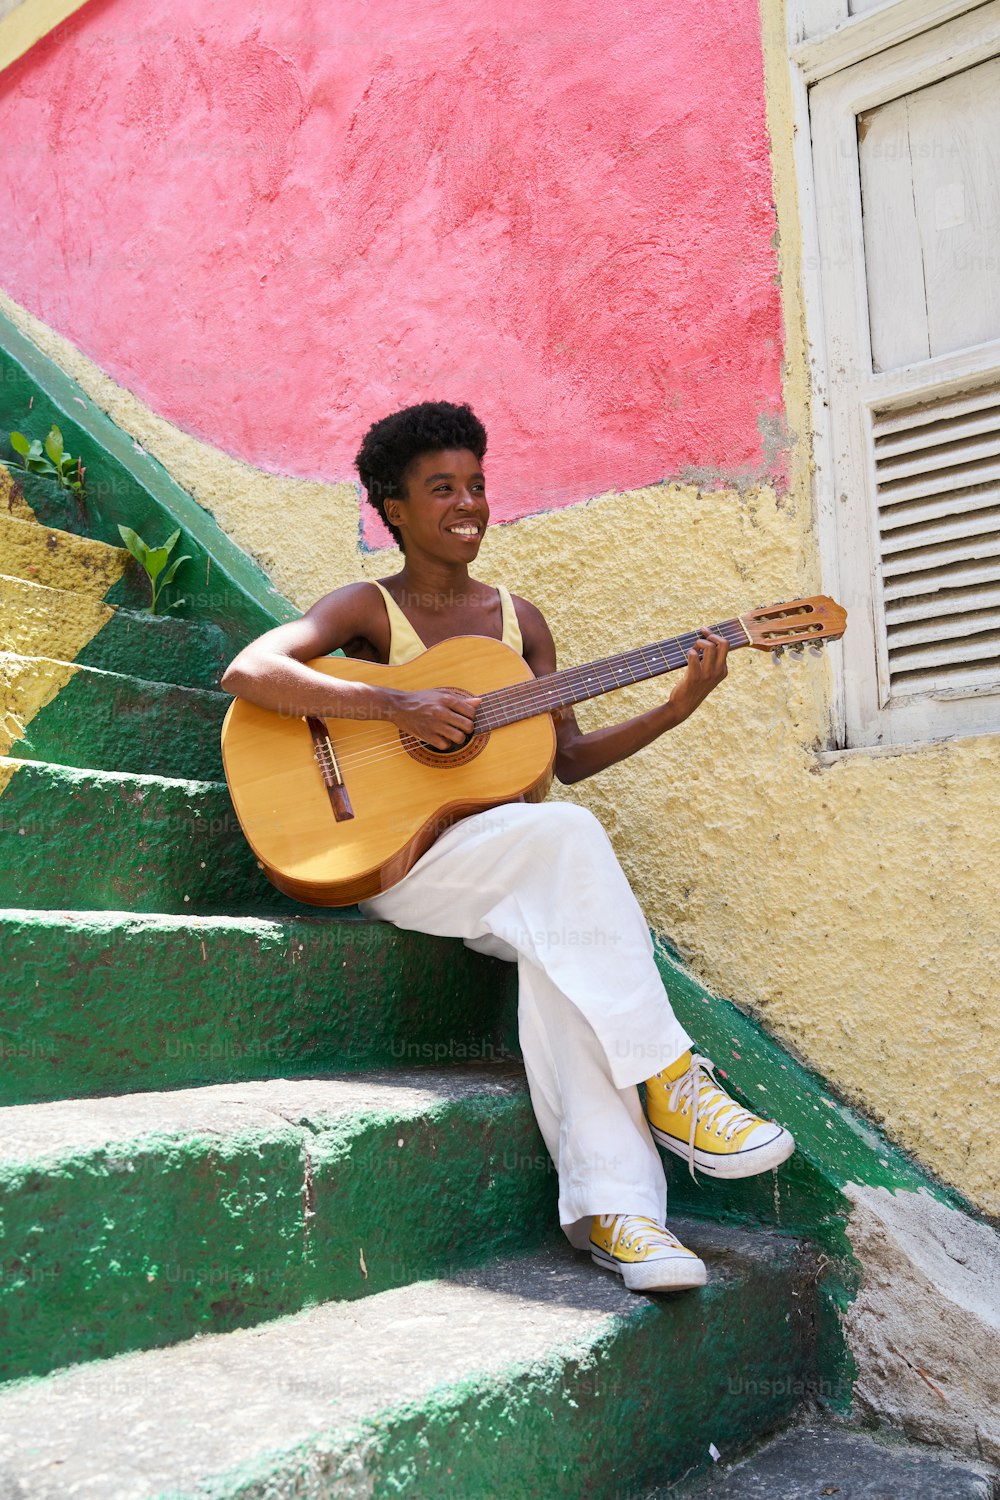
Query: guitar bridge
pixel 329 769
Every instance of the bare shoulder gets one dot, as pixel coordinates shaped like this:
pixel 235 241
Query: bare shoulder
pixel 358 602
pixel 352 617
pixel 539 649
pixel 529 616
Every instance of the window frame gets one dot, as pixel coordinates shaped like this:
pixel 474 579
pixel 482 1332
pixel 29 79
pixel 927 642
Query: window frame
pixel 858 64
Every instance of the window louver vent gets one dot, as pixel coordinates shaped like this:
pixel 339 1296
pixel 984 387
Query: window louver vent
pixel 937 475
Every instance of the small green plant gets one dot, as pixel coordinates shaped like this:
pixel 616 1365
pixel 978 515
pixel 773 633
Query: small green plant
pixel 154 560
pixel 49 459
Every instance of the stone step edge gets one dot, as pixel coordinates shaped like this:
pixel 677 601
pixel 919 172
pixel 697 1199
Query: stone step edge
pixel 121 610
pixel 65 1132
pixel 102 918
pixel 810 1458
pixel 35 524
pixel 139 1222
pixel 85 773
pixel 54 588
pixel 101 672
pixel 493 1381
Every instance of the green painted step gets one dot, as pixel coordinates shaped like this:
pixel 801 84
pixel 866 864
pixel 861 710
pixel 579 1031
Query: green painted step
pixel 134 1222
pixel 114 1002
pixel 539 1376
pixel 112 840
pixel 127 485
pixel 189 653
pixel 112 722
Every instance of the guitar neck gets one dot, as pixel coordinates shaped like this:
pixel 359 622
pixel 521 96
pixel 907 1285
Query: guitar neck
pixel 561 689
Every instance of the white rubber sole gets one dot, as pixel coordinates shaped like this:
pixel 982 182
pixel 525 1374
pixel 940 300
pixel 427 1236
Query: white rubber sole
pixel 730 1165
pixel 674 1275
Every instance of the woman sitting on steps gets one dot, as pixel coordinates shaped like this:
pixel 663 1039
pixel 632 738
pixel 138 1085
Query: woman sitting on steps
pixel 535 883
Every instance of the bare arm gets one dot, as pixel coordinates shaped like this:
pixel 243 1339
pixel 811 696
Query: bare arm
pixel 272 673
pixel 580 755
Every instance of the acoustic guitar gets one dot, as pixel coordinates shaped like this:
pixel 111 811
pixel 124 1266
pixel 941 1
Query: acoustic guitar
pixel 337 810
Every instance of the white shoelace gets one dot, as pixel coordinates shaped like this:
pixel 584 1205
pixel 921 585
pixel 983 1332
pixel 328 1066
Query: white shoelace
pixel 637 1233
pixel 716 1111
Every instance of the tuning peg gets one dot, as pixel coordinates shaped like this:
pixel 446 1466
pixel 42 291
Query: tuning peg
pixel 816 648
pixel 776 653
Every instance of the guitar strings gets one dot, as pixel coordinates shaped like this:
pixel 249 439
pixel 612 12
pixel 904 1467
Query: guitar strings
pixel 534 693
pixel 516 695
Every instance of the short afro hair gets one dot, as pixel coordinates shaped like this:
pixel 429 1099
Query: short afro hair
pixel 391 445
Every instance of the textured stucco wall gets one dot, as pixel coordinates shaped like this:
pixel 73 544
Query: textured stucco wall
pixel 850 905
pixel 276 223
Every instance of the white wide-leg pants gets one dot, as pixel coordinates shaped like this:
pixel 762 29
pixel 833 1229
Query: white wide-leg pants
pixel 539 885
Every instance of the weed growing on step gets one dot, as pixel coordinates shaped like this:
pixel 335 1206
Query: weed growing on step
pixel 50 459
pixel 154 560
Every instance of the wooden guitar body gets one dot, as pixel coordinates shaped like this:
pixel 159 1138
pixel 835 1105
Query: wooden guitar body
pixel 396 795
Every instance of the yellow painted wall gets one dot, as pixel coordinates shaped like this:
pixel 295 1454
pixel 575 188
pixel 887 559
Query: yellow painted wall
pixel 24 22
pixel 851 906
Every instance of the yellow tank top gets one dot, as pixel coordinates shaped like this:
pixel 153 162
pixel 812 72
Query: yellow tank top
pixel 405 644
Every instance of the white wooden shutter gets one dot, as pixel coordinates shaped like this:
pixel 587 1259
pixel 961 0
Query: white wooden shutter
pixel 937 484
pixel 906 163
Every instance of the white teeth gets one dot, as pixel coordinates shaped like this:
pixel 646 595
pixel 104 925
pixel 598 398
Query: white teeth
pixel 465 530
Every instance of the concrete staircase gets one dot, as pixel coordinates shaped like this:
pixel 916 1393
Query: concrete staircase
pixel 275 1217
pixel 271 1176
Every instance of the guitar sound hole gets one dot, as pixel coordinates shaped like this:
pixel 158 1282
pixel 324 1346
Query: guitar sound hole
pixel 455 755
pixel 450 750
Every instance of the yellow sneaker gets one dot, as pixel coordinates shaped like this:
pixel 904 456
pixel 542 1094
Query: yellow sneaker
pixel 645 1255
pixel 719 1136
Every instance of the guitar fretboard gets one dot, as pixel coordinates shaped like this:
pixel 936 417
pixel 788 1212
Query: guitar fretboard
pixel 560 689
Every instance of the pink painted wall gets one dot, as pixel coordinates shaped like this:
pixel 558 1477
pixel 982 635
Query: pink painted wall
pixel 276 223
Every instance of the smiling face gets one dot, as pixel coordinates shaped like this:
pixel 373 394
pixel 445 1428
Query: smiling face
pixel 445 513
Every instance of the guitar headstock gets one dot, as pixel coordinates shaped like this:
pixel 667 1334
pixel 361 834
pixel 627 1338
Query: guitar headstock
pixel 798 623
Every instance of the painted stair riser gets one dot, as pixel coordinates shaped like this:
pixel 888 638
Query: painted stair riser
pixel 53 623
pixel 126 485
pixel 159 649
pixel 39 620
pixel 51 558
pixel 115 1003
pixel 105 721
pixel 58 515
pixel 146 1243
pixel 72 839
